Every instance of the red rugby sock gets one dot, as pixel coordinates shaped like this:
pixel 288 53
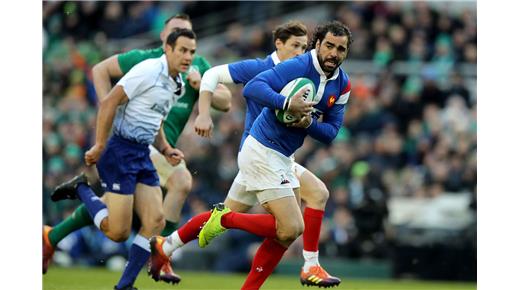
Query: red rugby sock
pixel 263 225
pixel 266 259
pixel 190 230
pixel 311 234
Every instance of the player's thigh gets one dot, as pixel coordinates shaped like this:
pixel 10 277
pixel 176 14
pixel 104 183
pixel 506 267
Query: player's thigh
pixel 179 177
pixel 238 199
pixel 236 206
pixel 297 196
pixel 264 168
pixel 148 204
pixel 288 215
pixel 312 189
pixel 284 209
pixel 120 210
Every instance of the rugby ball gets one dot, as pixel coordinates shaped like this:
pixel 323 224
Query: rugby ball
pixel 289 90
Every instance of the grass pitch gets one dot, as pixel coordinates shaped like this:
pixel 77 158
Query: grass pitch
pixel 101 279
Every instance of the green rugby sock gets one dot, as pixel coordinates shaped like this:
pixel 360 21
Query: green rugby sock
pixel 169 228
pixel 78 219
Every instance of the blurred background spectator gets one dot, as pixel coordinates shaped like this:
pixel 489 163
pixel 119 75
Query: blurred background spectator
pixel 409 134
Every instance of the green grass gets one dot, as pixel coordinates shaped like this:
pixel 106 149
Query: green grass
pixel 100 278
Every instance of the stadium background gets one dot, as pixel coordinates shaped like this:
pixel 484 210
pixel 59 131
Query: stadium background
pixel 401 174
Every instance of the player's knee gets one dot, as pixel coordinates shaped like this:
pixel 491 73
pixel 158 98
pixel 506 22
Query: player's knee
pixel 291 232
pixel 160 224
pixel 180 181
pixel 118 235
pixel 289 235
pixel 317 197
pixel 155 222
pixel 322 195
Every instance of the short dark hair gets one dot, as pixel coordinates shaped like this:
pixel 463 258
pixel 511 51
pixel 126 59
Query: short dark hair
pixel 182 16
pixel 176 33
pixel 336 28
pixel 291 28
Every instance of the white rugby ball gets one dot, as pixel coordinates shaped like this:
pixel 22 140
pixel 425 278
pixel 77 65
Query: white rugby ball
pixel 289 90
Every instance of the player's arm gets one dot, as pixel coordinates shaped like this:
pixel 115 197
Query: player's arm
pixel 172 155
pixel 240 72
pixel 221 99
pixel 103 72
pixel 208 88
pixel 160 143
pixel 115 67
pixel 105 118
pixel 212 84
pixel 134 83
pixel 327 130
pixel 263 89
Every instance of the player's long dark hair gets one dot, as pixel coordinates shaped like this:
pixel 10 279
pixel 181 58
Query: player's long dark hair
pixel 336 28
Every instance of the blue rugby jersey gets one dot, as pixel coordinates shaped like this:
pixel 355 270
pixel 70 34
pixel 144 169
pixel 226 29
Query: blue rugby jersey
pixel 332 94
pixel 242 72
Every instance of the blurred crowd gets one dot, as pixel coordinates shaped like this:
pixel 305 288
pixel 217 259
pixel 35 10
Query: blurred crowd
pixel 406 135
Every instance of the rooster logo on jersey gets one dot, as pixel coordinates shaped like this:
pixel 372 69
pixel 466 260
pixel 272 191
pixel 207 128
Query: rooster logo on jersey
pixel 331 101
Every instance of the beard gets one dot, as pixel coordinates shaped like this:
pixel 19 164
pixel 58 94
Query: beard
pixel 328 65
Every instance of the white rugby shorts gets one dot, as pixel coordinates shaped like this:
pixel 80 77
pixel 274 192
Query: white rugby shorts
pixel 264 168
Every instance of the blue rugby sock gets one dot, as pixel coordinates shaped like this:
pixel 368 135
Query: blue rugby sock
pixel 139 254
pixel 95 207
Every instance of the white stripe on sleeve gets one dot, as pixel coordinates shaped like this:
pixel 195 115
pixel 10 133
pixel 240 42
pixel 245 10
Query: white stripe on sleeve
pixel 214 76
pixel 343 98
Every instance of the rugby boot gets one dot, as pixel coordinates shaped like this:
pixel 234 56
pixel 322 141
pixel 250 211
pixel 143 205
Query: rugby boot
pixel 317 276
pixel 68 189
pixel 159 261
pixel 212 228
pixel 167 274
pixel 48 249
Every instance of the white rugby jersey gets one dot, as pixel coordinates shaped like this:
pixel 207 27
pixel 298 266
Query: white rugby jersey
pixel 151 92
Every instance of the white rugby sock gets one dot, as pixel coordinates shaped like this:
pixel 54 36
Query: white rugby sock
pixel 311 259
pixel 99 217
pixel 172 243
pixel 142 242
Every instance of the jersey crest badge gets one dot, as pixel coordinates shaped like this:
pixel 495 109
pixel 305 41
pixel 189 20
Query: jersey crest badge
pixel 331 101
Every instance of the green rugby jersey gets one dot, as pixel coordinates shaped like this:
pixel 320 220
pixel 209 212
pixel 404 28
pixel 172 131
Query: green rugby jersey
pixel 181 111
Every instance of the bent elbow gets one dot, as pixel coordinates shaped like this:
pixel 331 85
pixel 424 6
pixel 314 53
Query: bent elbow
pixel 248 89
pixel 328 140
pixel 97 68
pixel 103 102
